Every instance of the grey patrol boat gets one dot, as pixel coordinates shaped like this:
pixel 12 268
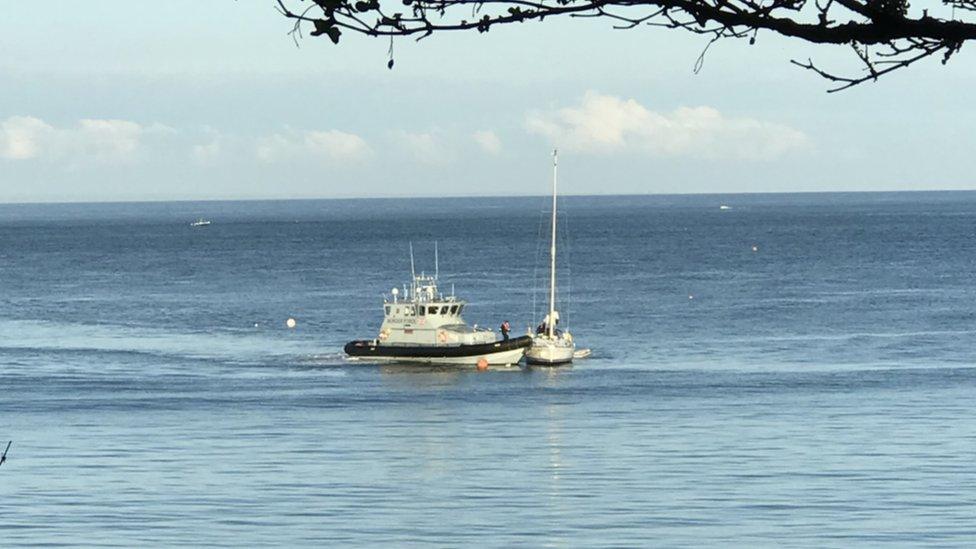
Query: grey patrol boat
pixel 423 325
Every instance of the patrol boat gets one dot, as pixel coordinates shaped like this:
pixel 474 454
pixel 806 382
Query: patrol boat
pixel 423 325
pixel 551 346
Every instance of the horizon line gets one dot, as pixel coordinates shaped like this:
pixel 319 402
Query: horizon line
pixel 422 196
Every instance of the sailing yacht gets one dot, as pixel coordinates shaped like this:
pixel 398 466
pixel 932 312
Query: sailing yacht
pixel 550 345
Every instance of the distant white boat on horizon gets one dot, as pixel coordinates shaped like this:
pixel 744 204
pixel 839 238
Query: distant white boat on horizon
pixel 725 207
pixel 200 222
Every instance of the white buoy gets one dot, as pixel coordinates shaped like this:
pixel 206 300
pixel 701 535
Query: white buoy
pixel 290 323
pixel 691 296
pixel 755 248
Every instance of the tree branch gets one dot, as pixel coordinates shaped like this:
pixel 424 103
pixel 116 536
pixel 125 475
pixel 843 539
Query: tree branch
pixel 902 38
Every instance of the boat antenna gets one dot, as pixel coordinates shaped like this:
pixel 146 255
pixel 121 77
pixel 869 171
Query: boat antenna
pixel 413 275
pixel 437 270
pixel 552 252
pixel 413 272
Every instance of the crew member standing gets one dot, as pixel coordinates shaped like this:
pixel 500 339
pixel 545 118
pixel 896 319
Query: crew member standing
pixel 505 329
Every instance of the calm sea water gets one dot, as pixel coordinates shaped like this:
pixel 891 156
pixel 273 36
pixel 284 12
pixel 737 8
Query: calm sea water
pixel 818 391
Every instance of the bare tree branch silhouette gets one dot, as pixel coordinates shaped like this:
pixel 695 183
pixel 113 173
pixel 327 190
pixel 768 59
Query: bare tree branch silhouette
pixel 883 34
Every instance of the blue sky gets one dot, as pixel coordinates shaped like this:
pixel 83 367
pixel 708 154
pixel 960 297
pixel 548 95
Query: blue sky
pixel 111 100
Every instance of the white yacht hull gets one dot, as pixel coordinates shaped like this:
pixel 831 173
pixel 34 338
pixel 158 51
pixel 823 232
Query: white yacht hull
pixel 548 353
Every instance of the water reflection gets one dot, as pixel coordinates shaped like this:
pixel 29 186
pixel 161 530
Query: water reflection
pixel 437 375
pixel 405 371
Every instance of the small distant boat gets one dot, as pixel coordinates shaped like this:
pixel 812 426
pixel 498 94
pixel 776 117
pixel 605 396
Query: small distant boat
pixel 550 345
pixel 725 207
pixel 201 222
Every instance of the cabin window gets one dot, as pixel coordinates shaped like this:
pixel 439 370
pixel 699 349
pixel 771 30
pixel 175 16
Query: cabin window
pixel 411 311
pixel 454 310
pixel 387 310
pixel 433 310
pixel 460 308
pixel 422 310
pixel 444 310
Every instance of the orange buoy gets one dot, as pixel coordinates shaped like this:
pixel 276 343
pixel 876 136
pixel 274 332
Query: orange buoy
pixel 482 363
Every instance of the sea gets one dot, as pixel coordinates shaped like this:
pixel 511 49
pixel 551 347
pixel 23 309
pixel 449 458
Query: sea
pixel 791 370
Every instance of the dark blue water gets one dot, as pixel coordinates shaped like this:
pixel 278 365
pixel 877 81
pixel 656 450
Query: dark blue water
pixel 816 392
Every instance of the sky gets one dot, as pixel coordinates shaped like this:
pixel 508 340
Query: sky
pixel 111 100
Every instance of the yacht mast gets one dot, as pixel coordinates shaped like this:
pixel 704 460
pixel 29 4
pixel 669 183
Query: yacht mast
pixel 550 327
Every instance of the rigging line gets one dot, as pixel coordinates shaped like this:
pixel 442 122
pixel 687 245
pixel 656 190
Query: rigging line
pixel 543 217
pixel 568 264
pixel 566 278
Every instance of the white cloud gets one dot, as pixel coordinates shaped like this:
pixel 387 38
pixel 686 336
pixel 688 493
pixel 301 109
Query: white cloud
pixel 109 139
pixel 206 152
pixel 23 137
pixel 102 140
pixel 275 147
pixel 328 144
pixel 488 141
pixel 336 144
pixel 423 147
pixel 606 124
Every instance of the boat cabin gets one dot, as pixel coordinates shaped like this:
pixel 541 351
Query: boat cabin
pixel 421 315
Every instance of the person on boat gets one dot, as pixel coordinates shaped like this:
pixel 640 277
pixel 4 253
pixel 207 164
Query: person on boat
pixel 543 328
pixel 506 327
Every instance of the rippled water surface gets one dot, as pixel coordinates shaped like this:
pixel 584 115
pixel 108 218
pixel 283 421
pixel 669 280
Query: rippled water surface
pixel 815 392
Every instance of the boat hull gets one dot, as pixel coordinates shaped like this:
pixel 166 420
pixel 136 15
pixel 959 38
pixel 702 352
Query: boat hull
pixel 498 353
pixel 543 353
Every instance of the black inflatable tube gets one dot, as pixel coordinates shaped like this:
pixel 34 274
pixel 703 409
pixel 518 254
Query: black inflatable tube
pixel 366 348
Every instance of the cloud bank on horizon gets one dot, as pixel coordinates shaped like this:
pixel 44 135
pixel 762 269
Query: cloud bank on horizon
pixel 25 138
pixel 599 125
pixel 330 145
pixel 605 124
